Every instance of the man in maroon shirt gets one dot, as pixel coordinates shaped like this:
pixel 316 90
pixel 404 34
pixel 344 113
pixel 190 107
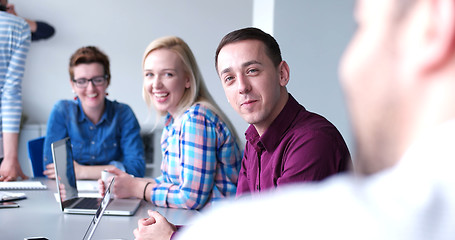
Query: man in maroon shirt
pixel 285 142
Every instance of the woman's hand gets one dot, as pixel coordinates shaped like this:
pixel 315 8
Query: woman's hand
pixel 49 171
pixel 124 186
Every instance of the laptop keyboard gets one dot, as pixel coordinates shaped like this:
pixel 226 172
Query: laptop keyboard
pixel 88 203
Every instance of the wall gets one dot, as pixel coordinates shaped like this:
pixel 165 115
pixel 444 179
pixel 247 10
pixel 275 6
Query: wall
pixel 312 36
pixel 123 29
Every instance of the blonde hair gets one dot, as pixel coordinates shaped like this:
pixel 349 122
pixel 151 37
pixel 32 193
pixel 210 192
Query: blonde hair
pixel 197 92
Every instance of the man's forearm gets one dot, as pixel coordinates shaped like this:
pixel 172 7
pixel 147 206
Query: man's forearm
pixel 10 146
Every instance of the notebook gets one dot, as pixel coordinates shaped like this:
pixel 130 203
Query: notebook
pixel 22 185
pixel 99 213
pixel 70 201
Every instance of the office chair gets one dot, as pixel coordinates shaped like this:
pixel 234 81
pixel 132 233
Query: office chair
pixel 35 153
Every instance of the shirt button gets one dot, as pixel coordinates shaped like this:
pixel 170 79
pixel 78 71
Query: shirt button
pixel 91 127
pixel 93 142
pixel 93 157
pixel 257 187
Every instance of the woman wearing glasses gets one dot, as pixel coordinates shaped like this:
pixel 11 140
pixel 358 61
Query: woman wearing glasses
pixel 201 155
pixel 103 133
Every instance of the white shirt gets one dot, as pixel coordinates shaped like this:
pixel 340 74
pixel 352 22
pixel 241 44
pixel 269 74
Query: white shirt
pixel 413 200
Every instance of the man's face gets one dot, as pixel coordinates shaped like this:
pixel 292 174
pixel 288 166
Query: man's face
pixel 369 71
pixel 252 84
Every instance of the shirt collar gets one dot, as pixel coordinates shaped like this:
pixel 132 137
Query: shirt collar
pixel 272 136
pixel 105 117
pixel 168 120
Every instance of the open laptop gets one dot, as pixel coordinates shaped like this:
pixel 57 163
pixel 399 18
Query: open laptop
pixel 99 213
pixel 69 196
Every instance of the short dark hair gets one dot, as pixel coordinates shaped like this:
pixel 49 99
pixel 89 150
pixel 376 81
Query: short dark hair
pixel 90 54
pixel 250 33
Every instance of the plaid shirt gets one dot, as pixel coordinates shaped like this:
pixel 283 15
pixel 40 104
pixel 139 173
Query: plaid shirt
pixel 201 160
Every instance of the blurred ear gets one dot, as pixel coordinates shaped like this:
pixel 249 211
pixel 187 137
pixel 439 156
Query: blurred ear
pixel 439 35
pixel 187 82
pixel 284 73
pixel 73 85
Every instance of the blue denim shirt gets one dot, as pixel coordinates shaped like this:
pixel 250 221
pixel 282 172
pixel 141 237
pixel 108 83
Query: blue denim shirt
pixel 114 140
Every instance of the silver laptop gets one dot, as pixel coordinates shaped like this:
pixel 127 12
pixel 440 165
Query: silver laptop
pixel 99 213
pixel 67 190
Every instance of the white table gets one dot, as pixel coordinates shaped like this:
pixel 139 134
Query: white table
pixel 40 215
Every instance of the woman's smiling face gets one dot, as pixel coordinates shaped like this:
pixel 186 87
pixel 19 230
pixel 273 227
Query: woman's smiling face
pixel 165 80
pixel 91 97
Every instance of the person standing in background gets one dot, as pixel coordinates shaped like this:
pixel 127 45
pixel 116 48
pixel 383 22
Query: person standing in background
pixel 15 35
pixel 39 29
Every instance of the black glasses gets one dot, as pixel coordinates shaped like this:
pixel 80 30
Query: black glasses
pixel 97 81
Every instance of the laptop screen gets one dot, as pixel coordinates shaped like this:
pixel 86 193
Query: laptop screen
pixel 99 213
pixel 64 169
pixel 70 202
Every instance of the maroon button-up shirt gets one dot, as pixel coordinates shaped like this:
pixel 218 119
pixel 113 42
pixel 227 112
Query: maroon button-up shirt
pixel 298 146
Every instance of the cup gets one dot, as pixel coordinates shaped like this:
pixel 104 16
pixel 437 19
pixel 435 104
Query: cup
pixel 107 177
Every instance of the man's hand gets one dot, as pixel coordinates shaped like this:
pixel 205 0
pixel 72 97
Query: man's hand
pixel 155 227
pixel 10 170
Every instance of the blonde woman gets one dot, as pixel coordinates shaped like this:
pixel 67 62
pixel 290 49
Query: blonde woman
pixel 201 155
